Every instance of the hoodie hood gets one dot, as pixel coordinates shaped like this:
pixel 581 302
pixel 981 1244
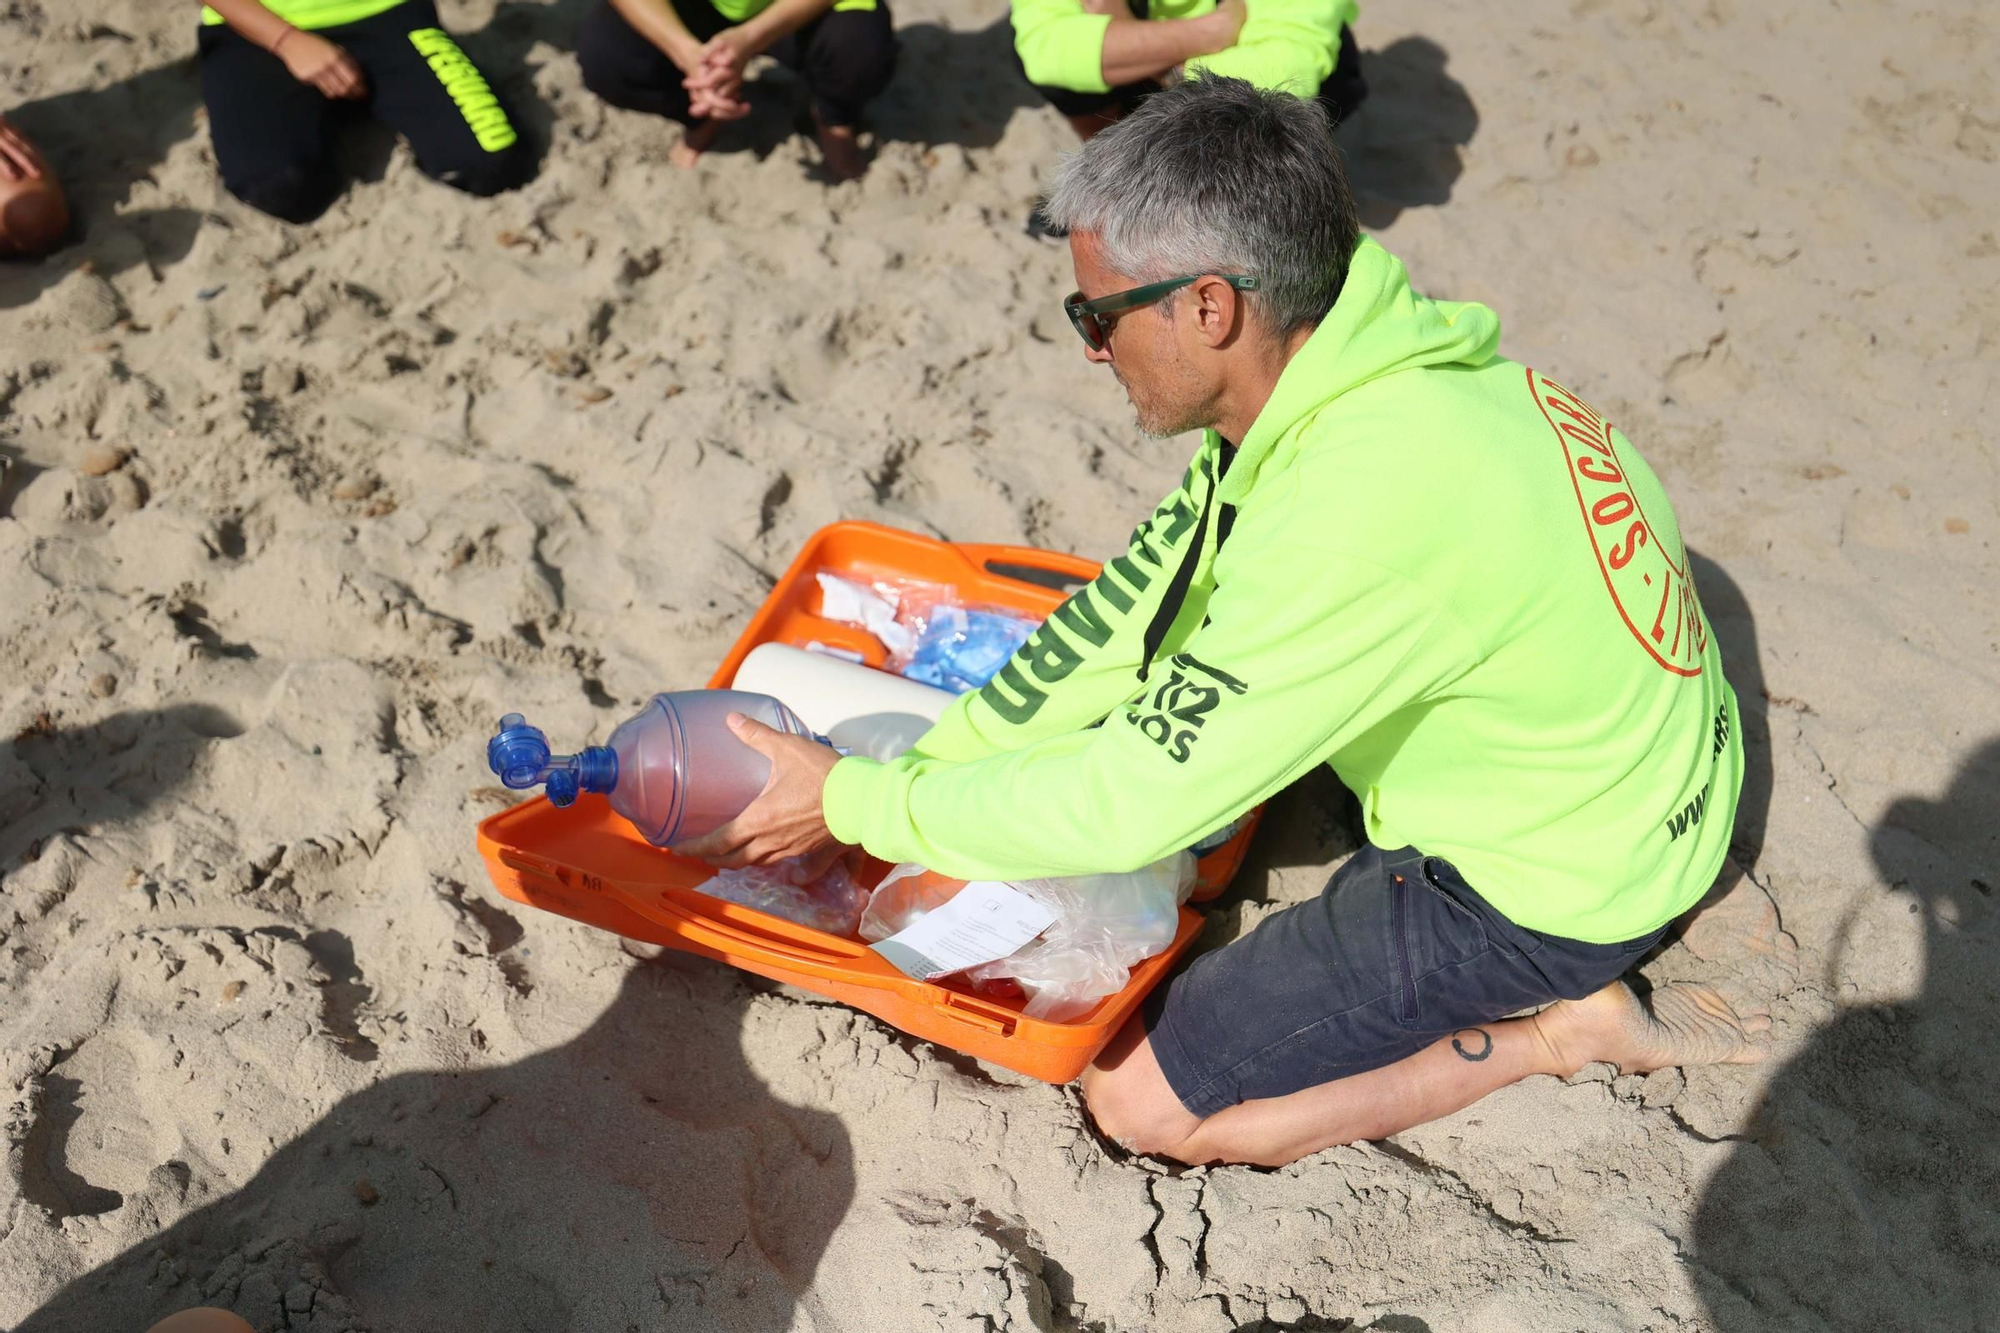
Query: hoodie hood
pixel 1377 327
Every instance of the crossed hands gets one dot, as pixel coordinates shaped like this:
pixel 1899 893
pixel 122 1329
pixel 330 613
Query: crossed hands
pixel 714 73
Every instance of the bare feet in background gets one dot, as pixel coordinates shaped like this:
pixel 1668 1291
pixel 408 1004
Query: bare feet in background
pixel 695 140
pixel 840 147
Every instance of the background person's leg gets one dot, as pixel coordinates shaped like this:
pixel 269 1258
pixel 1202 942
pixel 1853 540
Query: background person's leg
pixel 846 58
pixel 626 70
pixel 273 135
pixel 427 90
pixel 1345 89
pixel 1087 113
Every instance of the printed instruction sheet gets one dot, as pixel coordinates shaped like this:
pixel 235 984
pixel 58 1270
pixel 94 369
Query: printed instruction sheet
pixel 985 920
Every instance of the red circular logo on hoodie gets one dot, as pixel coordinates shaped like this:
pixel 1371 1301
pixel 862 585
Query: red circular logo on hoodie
pixel 1644 565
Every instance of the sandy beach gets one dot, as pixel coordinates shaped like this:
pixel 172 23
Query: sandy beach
pixel 291 515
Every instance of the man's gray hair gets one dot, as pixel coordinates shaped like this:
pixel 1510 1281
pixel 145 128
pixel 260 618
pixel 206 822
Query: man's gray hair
pixel 1213 175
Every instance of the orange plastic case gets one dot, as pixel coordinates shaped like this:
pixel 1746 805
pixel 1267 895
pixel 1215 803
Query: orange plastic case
pixel 588 863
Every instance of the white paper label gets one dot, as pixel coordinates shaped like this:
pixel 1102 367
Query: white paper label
pixel 985 920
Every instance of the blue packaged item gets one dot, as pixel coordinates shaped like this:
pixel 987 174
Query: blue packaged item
pixel 960 649
pixel 931 637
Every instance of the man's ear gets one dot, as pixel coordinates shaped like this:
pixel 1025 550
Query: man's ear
pixel 1219 311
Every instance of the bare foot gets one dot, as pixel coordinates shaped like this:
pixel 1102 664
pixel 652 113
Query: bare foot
pixel 1680 1024
pixel 840 149
pixel 699 137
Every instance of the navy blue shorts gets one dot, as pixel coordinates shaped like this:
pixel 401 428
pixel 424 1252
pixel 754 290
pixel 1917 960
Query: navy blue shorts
pixel 1396 952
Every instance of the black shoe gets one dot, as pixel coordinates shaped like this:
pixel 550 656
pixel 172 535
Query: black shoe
pixel 1042 229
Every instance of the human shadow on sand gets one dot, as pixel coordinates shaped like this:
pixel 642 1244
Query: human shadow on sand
pixel 56 779
pixel 1735 629
pixel 1403 146
pixel 1862 1196
pixel 637 1177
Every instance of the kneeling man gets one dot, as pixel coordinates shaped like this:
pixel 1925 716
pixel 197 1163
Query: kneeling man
pixel 1396 553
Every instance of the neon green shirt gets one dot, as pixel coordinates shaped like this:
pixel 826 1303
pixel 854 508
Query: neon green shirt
pixel 1439 572
pixel 741 11
pixel 310 14
pixel 1284 43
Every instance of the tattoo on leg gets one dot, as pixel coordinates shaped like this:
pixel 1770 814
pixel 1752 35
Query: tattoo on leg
pixel 1485 1049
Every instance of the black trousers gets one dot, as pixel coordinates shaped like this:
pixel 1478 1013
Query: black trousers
pixel 845 57
pixel 1343 92
pixel 274 136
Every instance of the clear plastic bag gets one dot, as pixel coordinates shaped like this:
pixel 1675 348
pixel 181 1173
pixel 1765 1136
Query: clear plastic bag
pixel 931 636
pixel 1105 924
pixel 832 903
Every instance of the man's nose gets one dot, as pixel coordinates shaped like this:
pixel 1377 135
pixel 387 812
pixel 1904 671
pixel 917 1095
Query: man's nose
pixel 1098 355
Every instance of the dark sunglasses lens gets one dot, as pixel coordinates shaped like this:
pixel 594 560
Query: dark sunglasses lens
pixel 1086 326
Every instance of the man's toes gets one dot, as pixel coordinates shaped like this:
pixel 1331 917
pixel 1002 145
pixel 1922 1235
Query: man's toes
pixel 1755 1049
pixel 1710 1002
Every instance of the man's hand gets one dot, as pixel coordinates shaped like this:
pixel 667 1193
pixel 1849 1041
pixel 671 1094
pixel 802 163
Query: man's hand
pixel 785 819
pixel 313 59
pixel 18 159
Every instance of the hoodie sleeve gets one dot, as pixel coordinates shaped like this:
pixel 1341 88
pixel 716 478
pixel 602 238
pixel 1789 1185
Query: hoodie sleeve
pixel 1289 44
pixel 1060 45
pixel 1303 651
pixel 1083 661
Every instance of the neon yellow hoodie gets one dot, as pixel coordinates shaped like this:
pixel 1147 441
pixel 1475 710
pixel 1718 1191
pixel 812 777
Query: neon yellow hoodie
pixel 1439 572
pixel 1290 44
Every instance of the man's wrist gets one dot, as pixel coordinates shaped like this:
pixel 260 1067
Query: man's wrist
pixel 756 35
pixel 282 37
pixel 684 51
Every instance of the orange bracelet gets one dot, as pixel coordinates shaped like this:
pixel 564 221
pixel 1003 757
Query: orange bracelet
pixel 289 30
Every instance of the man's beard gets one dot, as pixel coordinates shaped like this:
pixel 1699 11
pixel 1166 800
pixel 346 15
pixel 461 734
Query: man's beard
pixel 1163 421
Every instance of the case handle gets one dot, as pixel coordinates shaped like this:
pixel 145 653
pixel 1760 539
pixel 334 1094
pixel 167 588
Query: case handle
pixel 1025 564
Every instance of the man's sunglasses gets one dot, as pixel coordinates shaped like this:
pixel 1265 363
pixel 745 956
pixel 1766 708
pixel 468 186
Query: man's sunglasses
pixel 1089 317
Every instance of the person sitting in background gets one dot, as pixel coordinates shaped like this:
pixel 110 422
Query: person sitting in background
pixel 34 216
pixel 1095 60
pixel 684 59
pixel 280 76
